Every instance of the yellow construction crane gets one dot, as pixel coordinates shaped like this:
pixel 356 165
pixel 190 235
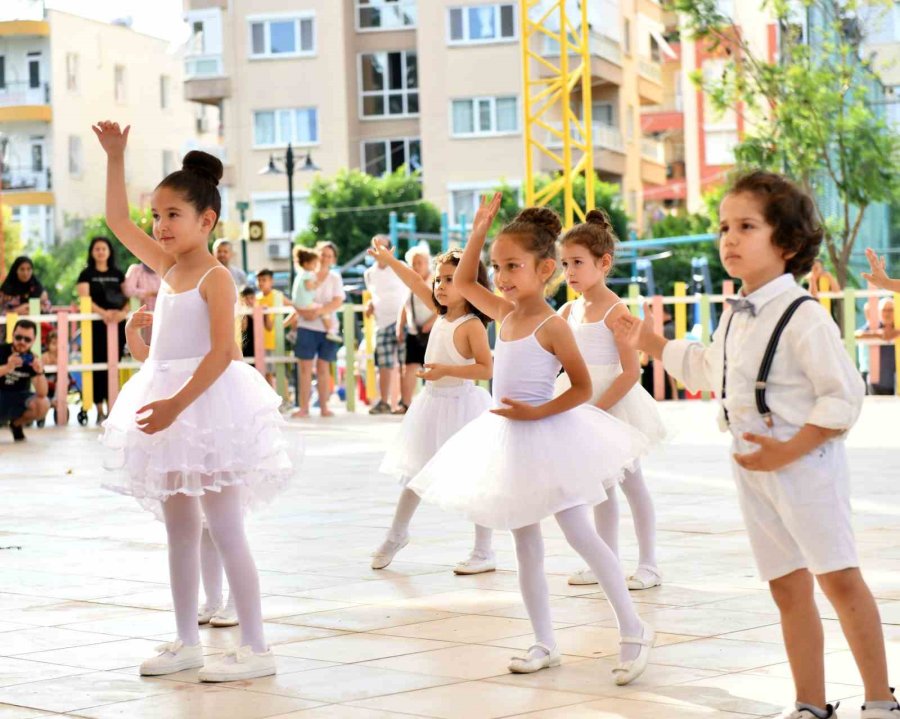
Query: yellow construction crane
pixel 547 92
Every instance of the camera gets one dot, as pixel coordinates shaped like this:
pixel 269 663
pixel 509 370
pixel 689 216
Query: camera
pixel 27 359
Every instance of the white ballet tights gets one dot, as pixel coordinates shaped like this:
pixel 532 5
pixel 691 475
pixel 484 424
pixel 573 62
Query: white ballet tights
pixel 606 517
pixel 210 570
pixel 582 537
pixel 407 505
pixel 226 528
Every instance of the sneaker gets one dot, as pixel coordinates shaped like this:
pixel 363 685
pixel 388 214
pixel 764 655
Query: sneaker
pixel 477 563
pixel 173 657
pixel 239 663
pixel 381 408
pixel 384 555
pixel 17 432
pixel 794 713
pixel 582 576
pixel 878 713
pixel 225 617
pixel 402 408
pixel 206 613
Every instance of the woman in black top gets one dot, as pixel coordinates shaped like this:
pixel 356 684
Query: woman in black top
pixel 102 281
pixel 20 286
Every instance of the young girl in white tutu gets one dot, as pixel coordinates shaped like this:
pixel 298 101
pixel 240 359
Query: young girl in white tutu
pixel 196 430
pixel 534 455
pixel 457 354
pixel 587 255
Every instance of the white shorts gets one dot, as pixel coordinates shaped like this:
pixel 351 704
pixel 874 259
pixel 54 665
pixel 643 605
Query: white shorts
pixel 798 517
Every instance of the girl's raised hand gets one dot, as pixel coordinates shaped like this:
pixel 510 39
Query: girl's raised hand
pixel 877 276
pixel 380 252
pixel 485 214
pixel 112 139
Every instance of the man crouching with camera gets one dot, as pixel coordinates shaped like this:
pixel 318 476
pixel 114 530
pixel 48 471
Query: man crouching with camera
pixel 20 406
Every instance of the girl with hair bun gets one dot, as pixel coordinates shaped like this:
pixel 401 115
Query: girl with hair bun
pixel 535 455
pixel 587 256
pixel 196 432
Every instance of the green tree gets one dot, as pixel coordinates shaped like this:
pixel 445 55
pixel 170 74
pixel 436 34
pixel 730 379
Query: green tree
pixel 351 207
pixel 809 115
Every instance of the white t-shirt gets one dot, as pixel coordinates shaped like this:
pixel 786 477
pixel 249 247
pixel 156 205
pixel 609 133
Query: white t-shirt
pixel 423 314
pixel 331 288
pixel 388 294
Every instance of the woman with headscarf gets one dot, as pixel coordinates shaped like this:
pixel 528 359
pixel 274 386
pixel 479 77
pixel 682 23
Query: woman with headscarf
pixel 20 286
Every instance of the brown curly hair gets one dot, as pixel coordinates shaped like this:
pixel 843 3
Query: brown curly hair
pixel 790 212
pixel 596 234
pixel 452 257
pixel 536 229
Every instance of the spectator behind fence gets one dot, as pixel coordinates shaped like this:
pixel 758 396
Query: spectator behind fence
pixel 224 254
pixel 20 406
pixel 268 297
pixel 303 293
pixel 20 286
pixel 248 333
pixel 388 295
pixel 50 358
pixel 885 382
pixel 143 283
pixel 313 346
pixel 413 328
pixel 103 281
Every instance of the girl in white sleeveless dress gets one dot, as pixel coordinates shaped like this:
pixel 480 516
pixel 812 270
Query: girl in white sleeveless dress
pixel 457 354
pixel 196 433
pixel 534 456
pixel 587 255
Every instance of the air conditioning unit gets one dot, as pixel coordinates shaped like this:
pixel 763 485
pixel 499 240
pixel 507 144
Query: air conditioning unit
pixel 279 249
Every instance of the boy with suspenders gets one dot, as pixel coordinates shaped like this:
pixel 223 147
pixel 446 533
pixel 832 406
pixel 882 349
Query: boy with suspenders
pixel 789 394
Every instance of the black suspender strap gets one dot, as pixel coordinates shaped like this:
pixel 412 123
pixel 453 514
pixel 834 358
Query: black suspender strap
pixel 725 364
pixel 766 366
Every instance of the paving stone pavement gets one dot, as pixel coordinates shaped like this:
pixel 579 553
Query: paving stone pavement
pixel 84 595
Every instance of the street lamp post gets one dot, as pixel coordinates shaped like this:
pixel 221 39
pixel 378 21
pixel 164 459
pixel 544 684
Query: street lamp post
pixel 273 169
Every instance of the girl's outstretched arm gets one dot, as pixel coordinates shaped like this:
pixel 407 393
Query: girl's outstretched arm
pixel 466 275
pixel 877 274
pixel 113 141
pixel 408 276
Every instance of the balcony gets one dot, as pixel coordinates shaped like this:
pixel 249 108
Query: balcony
pixel 20 102
pixel 653 150
pixel 653 161
pixel 26 186
pixel 609 147
pixel 24 28
pixel 204 79
pixel 667 117
pixel 205 5
pixel 606 57
pixel 650 86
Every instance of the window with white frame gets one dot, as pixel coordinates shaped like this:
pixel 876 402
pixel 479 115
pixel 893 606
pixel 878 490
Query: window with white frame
pixel 72 71
pixel 76 156
pixel 276 128
pixel 273 209
pixel 385 14
pixel 165 91
pixel 389 83
pixel 119 82
pixel 168 162
pixel 719 146
pixel 465 199
pixel 380 157
pixel 282 36
pixel 482 23
pixel 604 113
pixel 485 116
pixel 2 72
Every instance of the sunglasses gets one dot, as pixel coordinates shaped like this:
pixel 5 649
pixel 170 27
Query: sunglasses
pixel 23 338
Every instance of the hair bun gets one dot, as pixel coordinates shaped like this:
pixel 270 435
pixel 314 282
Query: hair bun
pixel 543 217
pixel 600 218
pixel 202 163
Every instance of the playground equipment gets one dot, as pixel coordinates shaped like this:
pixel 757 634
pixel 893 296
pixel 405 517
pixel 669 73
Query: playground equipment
pixel 450 234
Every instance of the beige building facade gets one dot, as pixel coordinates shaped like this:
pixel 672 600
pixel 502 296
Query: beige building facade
pixel 59 74
pixel 432 85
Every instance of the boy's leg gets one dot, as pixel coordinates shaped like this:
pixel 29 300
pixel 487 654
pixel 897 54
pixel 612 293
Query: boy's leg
pixel 804 639
pixel 856 609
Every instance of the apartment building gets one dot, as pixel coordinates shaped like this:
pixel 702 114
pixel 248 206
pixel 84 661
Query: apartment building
pixel 59 73
pixel 433 85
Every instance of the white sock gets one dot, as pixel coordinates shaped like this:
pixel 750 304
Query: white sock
pixel 484 537
pixel 643 514
pixel 606 520
pixel 533 581
pixel 210 571
pixel 582 537
pixel 407 504
pixel 183 526
pixel 225 519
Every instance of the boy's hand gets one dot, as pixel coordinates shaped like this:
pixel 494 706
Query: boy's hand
pixel 877 276
pixel 629 330
pixel 485 214
pixel 772 455
pixel 112 139
pixel 517 410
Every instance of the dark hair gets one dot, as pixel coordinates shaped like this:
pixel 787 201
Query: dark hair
pixel 247 291
pixel 538 229
pixel 264 273
pixel 452 258
pixel 791 213
pixel 26 325
pixel 302 255
pixel 595 234
pixel 14 287
pixel 198 181
pixel 111 262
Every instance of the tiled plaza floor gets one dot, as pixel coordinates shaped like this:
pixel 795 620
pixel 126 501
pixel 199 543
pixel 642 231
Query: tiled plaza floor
pixel 84 595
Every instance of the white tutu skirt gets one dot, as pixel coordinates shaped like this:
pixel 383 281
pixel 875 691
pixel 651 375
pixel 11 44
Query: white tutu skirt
pixel 231 435
pixel 435 415
pixel 505 474
pixel 637 408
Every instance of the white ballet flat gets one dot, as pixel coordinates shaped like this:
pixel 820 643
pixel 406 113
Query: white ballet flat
pixel 531 664
pixel 582 577
pixel 636 583
pixel 477 563
pixel 205 614
pixel 384 555
pixel 627 672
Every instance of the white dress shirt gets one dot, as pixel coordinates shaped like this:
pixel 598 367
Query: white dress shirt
pixel 812 381
pixel 388 294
